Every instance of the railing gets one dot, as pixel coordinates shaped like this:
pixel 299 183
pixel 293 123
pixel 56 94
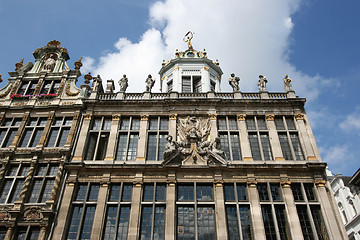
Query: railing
pixel 251 95
pixel 277 95
pixel 107 96
pixel 160 95
pixel 192 95
pixel 224 95
pixel 133 96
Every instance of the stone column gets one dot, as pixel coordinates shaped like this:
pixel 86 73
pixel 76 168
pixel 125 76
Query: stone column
pixel 220 212
pixel 110 151
pixel 42 233
pixel 134 224
pixel 72 132
pixel 3 167
pixel 292 216
pixel 141 150
pixel 9 233
pixel 57 181
pixel 256 215
pixel 100 209
pixel 244 138
pixel 170 210
pixel 20 130
pixel 213 126
pixel 46 130
pixel 274 138
pixel 332 226
pixel 64 210
pixel 78 155
pixel 25 188
pixel 308 150
pixel 172 125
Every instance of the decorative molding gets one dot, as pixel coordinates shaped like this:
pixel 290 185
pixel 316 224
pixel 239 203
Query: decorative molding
pixel 116 117
pixel 173 116
pixel 279 159
pixel 299 116
pixel 87 117
pixel 15 87
pixel 248 159
pixel 212 116
pixel 218 183
pixel 6 92
pixel 67 103
pixel 171 182
pixel 61 87
pixel 109 159
pixel 241 117
pixel 137 183
pixel 311 158
pixel 252 184
pixel 285 184
pixel 19 103
pixel 206 68
pixel 320 183
pixel 269 117
pixel 176 68
pixel 76 116
pixel 144 117
pixel 67 90
pixel 33 214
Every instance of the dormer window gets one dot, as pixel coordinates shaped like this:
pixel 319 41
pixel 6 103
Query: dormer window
pixel 50 87
pixel 191 84
pixel 27 88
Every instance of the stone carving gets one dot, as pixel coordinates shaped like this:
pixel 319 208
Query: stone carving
pixel 287 83
pixel 78 64
pixel 33 214
pixel 149 83
pixel 27 182
pixel 234 82
pixel 4 214
pixel 49 63
pixel 69 93
pixel 123 82
pixel 193 147
pixel 7 91
pixel 262 83
pixel 19 64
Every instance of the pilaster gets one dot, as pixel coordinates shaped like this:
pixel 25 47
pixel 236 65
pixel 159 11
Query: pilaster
pixel 274 138
pixel 170 210
pixel 308 150
pixel 78 155
pixel 256 218
pixel 72 131
pixel 134 225
pixel 100 209
pixel 213 126
pixel 9 233
pixel 141 150
pixel 172 125
pixel 220 212
pixel 110 151
pixel 244 138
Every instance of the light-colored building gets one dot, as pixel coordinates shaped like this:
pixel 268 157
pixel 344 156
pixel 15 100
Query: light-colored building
pixel 348 203
pixel 190 162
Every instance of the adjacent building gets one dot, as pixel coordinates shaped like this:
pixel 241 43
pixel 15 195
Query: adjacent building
pixel 191 162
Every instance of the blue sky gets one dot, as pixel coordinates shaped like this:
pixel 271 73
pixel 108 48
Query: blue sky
pixel 315 42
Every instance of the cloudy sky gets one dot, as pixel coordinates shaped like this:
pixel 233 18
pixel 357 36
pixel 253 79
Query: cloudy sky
pixel 315 42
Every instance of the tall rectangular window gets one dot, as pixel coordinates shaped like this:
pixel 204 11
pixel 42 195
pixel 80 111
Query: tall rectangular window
pixel 128 138
pixel 229 137
pixel 191 84
pixel 157 131
pixel 309 211
pixel 27 87
pixel 238 214
pixel 259 138
pixel 50 87
pixel 98 138
pixel 59 132
pixel 152 224
pixel 33 131
pixel 43 182
pixel 83 211
pixel 195 211
pixel 170 85
pixel 8 129
pixel 273 211
pixel 117 211
pixel 289 138
pixel 13 182
pixel 27 233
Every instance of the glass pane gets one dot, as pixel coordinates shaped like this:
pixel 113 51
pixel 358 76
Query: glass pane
pixel 185 193
pixel 159 223
pixel 110 223
pixel 206 223
pixel 263 193
pixel 241 192
pixel 229 192
pixel 224 142
pixel 52 138
pixel 245 222
pixel 232 123
pixel 309 191
pixel 296 190
pixel 63 137
pixel 281 221
pixel 279 123
pixel 75 222
pixel 47 190
pixel 261 123
pixel 81 194
pixel 232 223
pixel 146 219
pixel 133 143
pixel 53 170
pixel 160 193
pixel 93 193
pixel 102 146
pixel 254 145
pixel 68 121
pixel 305 222
pixel 196 84
pixel 266 146
pixel 319 222
pixel 235 146
pixel 2 135
pixel 7 122
pixel 148 192
pixel 185 223
pixel 107 124
pixel 16 122
pixel 123 222
pixel 96 124
pixel 35 191
pixel 41 170
pixel 114 193
pixel 186 84
pixel 127 193
pixel 58 121
pixel 204 193
pixel 285 147
pixel 222 123
pixel 151 147
pixel 164 123
pixel 24 171
pixel 90 150
pixel 16 190
pixel 125 122
pixel 13 170
pixel 275 192
pixel 26 137
pixel 290 123
pixel 36 138
pixel 296 145
pixel 121 149
pixel 42 122
pixel 10 137
pixel 268 222
pixel 135 124
pixel 32 122
pixel 85 232
pixel 153 124
pixel 162 146
pixel 5 190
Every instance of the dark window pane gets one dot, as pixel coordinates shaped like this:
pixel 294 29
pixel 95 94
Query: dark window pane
pixel 206 223
pixel 9 138
pixel 305 222
pixel 96 124
pixel 121 149
pixel 35 191
pixel 254 145
pixel 221 123
pixel 33 233
pixel 281 221
pixel 235 146
pixel 90 150
pixel 153 124
pixel 263 193
pixel 133 143
pixel 290 123
pixel 185 223
pixel 102 146
pixel 204 193
pixel 159 223
pixel 268 222
pixel 16 190
pixel 250 124
pixel 114 192
pixel 123 223
pixel 81 194
pixel 164 123
pixel 125 122
pixel 264 138
pixel 135 124
pixel 309 191
pixel 148 192
pixel 232 123
pixel 224 141
pixel 285 147
pixel 229 192
pixel 241 192
pixel 146 216
pixel 110 223
pixel 107 124
pixel 162 146
pixel 5 190
pixel 232 223
pixel 151 147
pixel 47 190
pixel 275 192
pixel 196 84
pixel 279 123
pixel 52 138
pixel 36 138
pixel 160 192
pixel 93 193
pixel 245 222
pixel 186 84
pixel 75 222
pixel 185 193
pixel 127 192
pixel 85 232
pixel 63 137
pixel 296 145
pixel 261 123
pixel 296 190
pixel 319 222
pixel 26 138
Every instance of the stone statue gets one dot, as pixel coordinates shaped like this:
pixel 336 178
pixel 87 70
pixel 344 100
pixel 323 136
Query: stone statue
pixel 287 83
pixel 123 82
pixel 171 148
pixel 49 63
pixel 149 83
pixel 234 82
pixel 262 83
pixel 215 147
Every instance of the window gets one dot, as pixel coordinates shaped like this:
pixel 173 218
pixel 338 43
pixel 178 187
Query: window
pixel 195 211
pixel 191 84
pixel 33 131
pixel 83 211
pixel 98 138
pixel 27 233
pixel 273 211
pixel 170 85
pixel 258 138
pixel 229 137
pixel 237 212
pixel 118 211
pixel 3 231
pixel 43 182
pixel 50 87
pixel 212 86
pixel 153 211
pixel 128 138
pixel 8 130
pixel 289 139
pixel 13 182
pixel 157 132
pixel 309 212
pixel 59 131
pixel 27 87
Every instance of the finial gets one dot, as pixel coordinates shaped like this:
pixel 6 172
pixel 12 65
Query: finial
pixel 0 78
pixel 188 36
pixel 78 64
pixel 88 77
pixel 54 43
pixel 163 62
pixel 217 62
pixel 19 64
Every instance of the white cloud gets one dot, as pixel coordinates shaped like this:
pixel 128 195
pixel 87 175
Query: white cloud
pixel 352 121
pixel 337 157
pixel 248 37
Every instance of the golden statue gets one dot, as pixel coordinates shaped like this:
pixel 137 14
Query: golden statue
pixel 188 36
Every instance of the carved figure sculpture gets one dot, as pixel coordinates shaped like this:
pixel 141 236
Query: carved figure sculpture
pixel 171 148
pixel 49 64
pixel 262 83
pixel 287 83
pixel 215 147
pixel 234 82
pixel 149 83
pixel 123 82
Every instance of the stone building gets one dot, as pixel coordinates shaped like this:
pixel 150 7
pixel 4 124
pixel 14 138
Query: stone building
pixel 190 162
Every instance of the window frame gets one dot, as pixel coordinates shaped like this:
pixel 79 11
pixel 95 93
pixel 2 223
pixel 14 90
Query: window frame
pixel 29 87
pixel 127 132
pixel 61 129
pixel 40 126
pixel 15 123
pixel 53 89
pixel 102 133
pixel 228 132
pixel 15 178
pixel 158 132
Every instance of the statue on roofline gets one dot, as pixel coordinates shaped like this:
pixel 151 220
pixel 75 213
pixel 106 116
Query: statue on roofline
pixel 123 82
pixel 287 83
pixel 234 82
pixel 149 83
pixel 262 83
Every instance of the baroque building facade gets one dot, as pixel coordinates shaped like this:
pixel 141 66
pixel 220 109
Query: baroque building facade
pixel 190 162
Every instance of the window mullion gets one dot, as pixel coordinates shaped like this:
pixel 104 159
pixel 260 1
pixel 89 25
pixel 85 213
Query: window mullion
pixel 277 231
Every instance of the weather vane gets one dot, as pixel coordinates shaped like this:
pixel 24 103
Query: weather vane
pixel 188 36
